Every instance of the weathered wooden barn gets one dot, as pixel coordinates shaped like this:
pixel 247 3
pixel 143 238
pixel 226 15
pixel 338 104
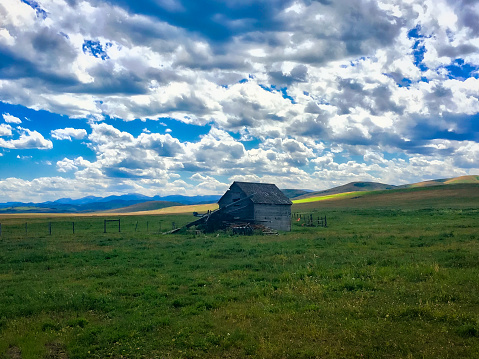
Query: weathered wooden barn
pixel 261 203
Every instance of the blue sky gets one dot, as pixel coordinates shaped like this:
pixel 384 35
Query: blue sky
pixel 183 97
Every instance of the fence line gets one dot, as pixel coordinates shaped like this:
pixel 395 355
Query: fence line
pixel 308 220
pixel 114 220
pixel 47 227
pixel 51 228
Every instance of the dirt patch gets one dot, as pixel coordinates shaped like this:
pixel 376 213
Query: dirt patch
pixel 14 353
pixel 56 351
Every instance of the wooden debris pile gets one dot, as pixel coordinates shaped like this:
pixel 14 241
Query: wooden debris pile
pixel 247 229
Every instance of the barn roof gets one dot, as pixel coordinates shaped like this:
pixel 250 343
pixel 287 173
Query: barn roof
pixel 264 193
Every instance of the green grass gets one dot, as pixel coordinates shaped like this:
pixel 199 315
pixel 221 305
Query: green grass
pixel 329 197
pixel 464 179
pixel 377 283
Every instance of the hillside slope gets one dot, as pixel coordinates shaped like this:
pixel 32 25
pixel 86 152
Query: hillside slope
pixel 462 195
pixel 376 186
pixel 444 181
pixel 294 193
pixel 463 179
pixel 350 187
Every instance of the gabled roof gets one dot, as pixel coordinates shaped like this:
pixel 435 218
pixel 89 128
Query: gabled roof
pixel 264 193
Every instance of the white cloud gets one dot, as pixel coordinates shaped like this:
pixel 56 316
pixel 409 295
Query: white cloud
pixel 11 119
pixel 66 165
pixel 42 188
pixel 28 140
pixel 68 133
pixel 5 130
pixel 208 184
pixel 329 82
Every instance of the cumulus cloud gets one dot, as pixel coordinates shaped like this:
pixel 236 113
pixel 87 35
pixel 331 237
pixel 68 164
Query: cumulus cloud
pixel 163 145
pixel 171 73
pixel 208 184
pixel 66 165
pixel 28 140
pixel 11 119
pixel 121 155
pixel 294 91
pixel 68 133
pixel 5 130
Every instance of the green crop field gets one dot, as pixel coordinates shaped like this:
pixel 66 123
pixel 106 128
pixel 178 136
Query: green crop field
pixel 378 282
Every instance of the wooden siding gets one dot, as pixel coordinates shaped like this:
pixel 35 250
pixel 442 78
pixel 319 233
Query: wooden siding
pixel 273 215
pixel 245 208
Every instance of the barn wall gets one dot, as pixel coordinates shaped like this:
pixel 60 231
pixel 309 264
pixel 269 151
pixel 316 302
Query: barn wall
pixel 245 208
pixel 273 215
pixel 234 193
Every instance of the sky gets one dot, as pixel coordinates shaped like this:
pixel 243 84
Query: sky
pixel 161 97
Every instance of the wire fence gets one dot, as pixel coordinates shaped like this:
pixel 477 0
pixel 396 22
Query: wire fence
pixel 40 228
pixel 77 226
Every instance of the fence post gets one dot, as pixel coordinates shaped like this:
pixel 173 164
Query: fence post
pixel 0 229
pixel 136 226
pixel 147 230
pixel 26 228
pixel 73 227
pixel 50 228
pixel 119 226
pixel 104 226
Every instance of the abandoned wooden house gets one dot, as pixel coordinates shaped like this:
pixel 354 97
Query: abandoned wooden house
pixel 246 204
pixel 260 203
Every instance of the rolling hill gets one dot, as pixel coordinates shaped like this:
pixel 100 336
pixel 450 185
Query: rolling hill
pixel 445 181
pixel 459 195
pixel 350 187
pixel 294 193
pixel 375 186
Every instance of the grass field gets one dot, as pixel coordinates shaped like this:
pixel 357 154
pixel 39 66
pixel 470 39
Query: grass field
pixel 382 281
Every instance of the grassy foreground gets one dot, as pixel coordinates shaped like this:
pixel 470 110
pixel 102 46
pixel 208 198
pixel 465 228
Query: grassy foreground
pixel 384 283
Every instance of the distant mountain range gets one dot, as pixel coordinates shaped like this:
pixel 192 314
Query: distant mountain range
pixel 137 202
pixel 95 204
